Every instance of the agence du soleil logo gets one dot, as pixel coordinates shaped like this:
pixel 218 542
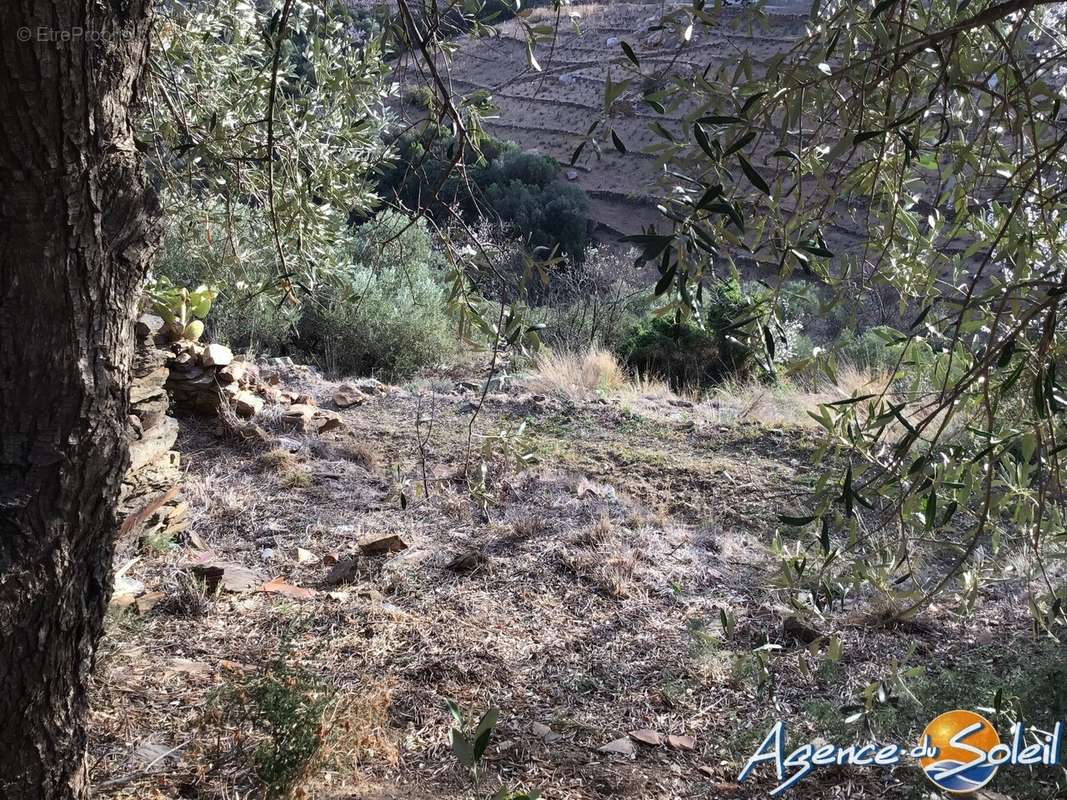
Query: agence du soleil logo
pixel 959 752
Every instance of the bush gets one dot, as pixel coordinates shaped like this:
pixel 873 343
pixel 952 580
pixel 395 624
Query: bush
pixel 595 303
pixel 388 313
pixel 686 354
pixel 198 250
pixel 522 190
pixel 420 97
pixel 381 311
pixel 680 352
pixel 869 350
pixel 282 714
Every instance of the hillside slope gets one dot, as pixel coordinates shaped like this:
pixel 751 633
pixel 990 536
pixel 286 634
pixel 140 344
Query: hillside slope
pixel 551 110
pixel 581 592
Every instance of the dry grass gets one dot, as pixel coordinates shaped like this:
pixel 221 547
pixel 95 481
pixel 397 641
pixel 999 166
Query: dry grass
pixel 574 375
pixel 187 597
pixel 528 527
pixel 278 458
pixel 358 725
pixel 363 453
pixel 601 532
pixel 788 404
pixel 296 477
pixel 355 451
pixel 290 469
pixel 601 556
pixel 608 557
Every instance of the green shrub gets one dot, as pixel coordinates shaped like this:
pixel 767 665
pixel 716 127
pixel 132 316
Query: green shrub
pixel 680 352
pixel 687 354
pixel 420 97
pixel 385 315
pixel 281 714
pixel 199 248
pixel 521 190
pixel 868 350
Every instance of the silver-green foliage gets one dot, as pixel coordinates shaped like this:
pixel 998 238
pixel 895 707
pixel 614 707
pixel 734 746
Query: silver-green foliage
pixel 933 134
pixel 387 313
pixel 263 128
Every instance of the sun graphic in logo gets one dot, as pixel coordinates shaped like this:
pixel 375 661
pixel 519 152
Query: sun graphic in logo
pixel 962 741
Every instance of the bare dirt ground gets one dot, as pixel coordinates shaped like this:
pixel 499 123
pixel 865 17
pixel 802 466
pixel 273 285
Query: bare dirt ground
pixel 583 601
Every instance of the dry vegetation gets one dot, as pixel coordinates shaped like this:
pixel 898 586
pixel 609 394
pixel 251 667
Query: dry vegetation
pixel 577 376
pixel 592 555
pixel 583 599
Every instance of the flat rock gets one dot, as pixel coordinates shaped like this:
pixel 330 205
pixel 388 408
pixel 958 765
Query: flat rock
pixel 396 569
pixel 545 733
pixel 229 576
pixel 148 325
pixel 681 742
pixel 383 544
pixel 125 591
pixel 232 372
pixel 618 747
pixel 346 395
pixel 216 355
pixel 345 570
pixel 300 416
pixel 153 442
pixel 465 561
pixel 370 386
pixel 331 423
pixel 247 404
pixel 647 736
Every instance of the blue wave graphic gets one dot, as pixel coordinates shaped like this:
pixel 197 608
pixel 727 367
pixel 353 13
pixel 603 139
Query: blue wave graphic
pixel 966 781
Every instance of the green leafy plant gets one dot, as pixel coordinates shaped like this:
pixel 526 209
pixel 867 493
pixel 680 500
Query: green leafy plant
pixel 520 190
pixel 387 312
pixel 508 447
pixel 469 744
pixel 264 129
pixel 183 310
pixel 420 97
pixel 700 351
pixel 758 667
pixel 283 716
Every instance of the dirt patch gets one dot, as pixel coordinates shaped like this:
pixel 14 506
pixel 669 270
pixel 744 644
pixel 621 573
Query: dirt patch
pixel 583 595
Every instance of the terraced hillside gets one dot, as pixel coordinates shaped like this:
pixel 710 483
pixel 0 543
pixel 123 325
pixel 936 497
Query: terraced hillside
pixel 551 110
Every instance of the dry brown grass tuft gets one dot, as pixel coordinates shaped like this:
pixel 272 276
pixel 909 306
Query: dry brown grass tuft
pixel 617 574
pixel 187 597
pixel 358 726
pixel 296 477
pixel 363 453
pixel 574 375
pixel 528 527
pixel 785 403
pixel 600 555
pixel 602 531
pixel 279 458
pixel 351 449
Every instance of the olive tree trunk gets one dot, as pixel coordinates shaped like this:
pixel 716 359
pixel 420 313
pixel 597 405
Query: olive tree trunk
pixel 77 230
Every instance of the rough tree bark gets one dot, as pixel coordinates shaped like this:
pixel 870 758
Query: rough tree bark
pixel 77 230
